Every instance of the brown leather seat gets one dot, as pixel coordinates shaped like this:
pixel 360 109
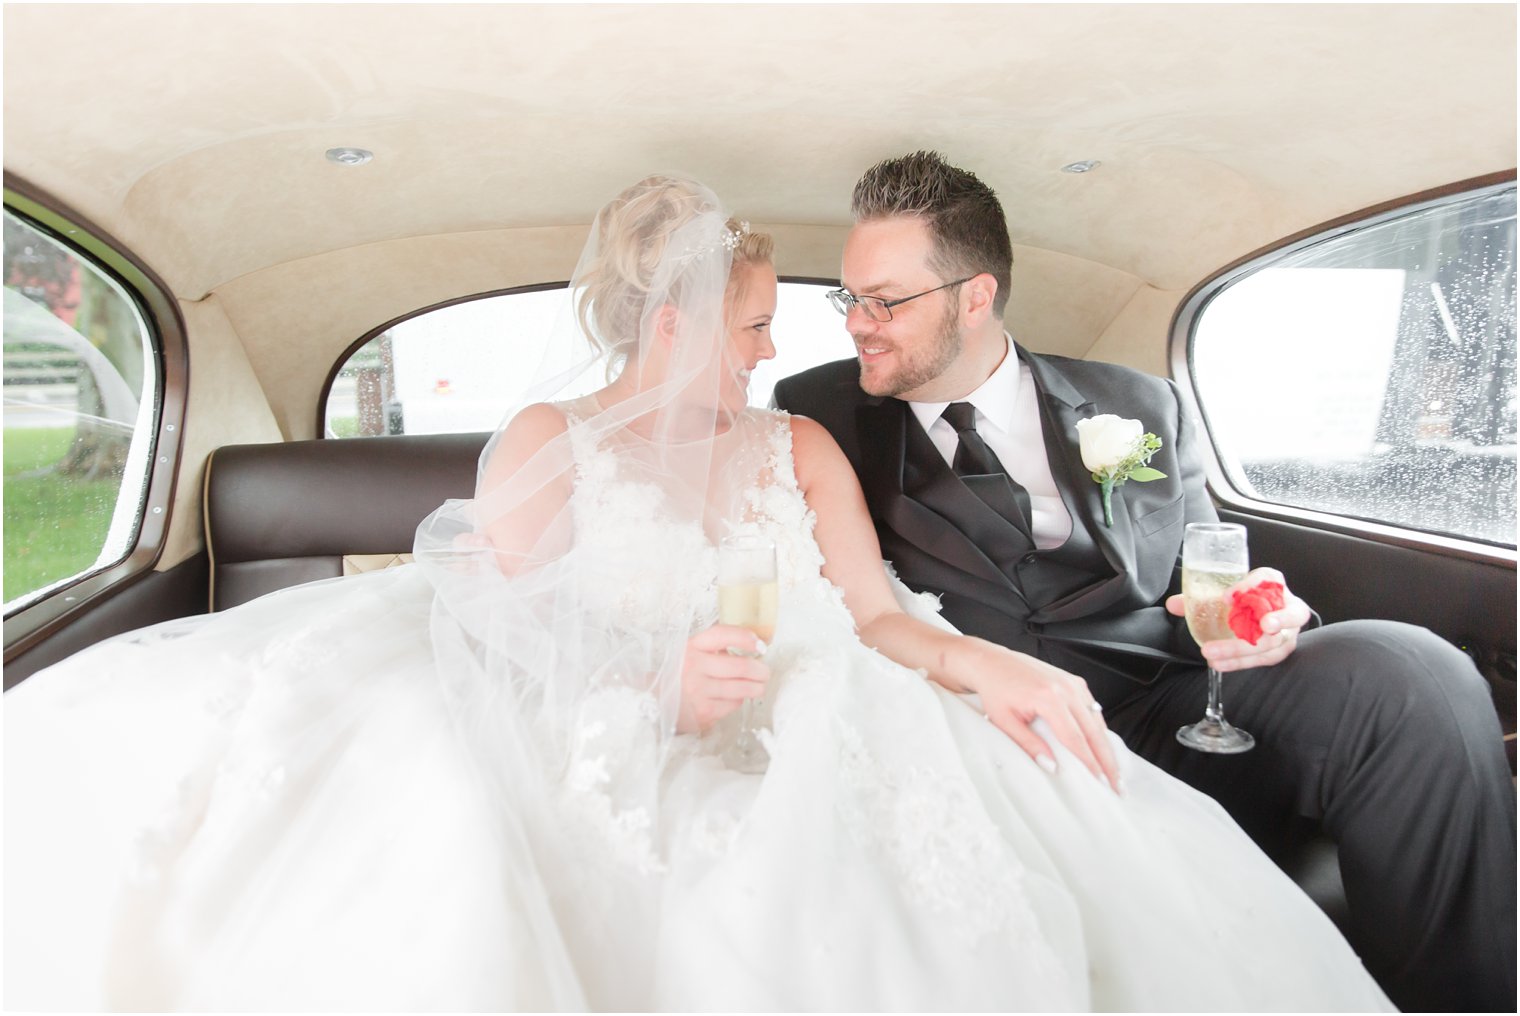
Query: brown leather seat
pixel 281 514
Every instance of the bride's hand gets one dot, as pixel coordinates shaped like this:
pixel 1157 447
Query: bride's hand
pixel 1016 689
pixel 714 681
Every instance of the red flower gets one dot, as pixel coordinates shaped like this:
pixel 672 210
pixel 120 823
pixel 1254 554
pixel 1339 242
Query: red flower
pixel 1249 606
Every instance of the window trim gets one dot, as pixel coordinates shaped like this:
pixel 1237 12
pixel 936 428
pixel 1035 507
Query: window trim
pixel 1180 356
pixel 374 333
pixel 29 625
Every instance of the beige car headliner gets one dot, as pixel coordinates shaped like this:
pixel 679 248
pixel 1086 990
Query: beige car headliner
pixel 195 135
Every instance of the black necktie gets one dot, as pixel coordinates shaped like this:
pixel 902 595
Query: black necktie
pixel 972 456
pixel 985 475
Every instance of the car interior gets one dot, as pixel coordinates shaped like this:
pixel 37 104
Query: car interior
pixel 270 193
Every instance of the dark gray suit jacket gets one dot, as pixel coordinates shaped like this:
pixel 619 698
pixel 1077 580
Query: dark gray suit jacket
pixel 1092 606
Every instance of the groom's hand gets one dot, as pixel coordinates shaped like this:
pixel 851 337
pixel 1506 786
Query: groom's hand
pixel 1279 629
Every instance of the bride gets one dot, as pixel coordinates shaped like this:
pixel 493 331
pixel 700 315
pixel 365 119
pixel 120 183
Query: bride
pixel 495 779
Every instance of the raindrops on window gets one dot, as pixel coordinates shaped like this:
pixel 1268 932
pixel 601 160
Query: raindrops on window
pixel 1372 375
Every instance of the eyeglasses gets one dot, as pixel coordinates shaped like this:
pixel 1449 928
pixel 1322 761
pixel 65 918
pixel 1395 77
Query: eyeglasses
pixel 874 307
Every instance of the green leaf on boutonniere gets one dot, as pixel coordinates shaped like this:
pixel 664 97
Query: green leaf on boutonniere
pixel 1145 473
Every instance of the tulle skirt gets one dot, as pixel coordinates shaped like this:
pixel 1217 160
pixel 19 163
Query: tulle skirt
pixel 272 808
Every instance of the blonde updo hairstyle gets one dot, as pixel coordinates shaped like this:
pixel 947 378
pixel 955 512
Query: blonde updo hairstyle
pixel 632 232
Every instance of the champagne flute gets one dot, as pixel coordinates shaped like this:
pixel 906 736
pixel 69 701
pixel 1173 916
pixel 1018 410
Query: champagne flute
pixel 747 597
pixel 1213 560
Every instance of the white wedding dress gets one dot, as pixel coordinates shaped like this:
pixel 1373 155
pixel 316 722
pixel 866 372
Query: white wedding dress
pixel 271 808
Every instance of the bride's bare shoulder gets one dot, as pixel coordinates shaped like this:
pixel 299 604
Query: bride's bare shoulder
pixel 534 426
pixel 814 451
pixel 529 430
pixel 540 418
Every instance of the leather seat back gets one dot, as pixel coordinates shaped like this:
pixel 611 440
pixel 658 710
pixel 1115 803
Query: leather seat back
pixel 281 514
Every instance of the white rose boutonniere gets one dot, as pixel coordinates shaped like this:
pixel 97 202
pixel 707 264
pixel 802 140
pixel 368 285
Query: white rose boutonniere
pixel 1114 450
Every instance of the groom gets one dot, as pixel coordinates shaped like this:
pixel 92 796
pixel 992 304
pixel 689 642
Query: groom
pixel 966 447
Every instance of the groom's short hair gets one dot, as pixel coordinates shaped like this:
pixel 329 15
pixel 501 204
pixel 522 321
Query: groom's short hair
pixel 963 214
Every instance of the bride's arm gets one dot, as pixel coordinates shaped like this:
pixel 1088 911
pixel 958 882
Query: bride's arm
pixel 1015 688
pixel 524 490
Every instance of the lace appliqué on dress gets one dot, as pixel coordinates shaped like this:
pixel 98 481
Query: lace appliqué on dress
pixel 712 833
pixel 931 829
pixel 623 524
pixel 614 754
pixel 775 507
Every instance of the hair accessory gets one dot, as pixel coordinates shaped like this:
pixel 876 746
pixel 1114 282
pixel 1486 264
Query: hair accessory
pixel 729 240
pixel 733 237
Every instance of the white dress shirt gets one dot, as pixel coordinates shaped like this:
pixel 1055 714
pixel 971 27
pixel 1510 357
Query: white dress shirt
pixel 1008 419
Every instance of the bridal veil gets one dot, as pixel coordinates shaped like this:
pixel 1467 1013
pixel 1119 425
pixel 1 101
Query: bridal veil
pixel 559 649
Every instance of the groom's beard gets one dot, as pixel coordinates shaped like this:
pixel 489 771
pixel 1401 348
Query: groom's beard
pixel 920 366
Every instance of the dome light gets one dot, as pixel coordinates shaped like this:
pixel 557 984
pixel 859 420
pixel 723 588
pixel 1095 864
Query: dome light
pixel 349 156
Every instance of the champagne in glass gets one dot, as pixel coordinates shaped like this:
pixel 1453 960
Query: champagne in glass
pixel 747 597
pixel 1204 584
pixel 1213 560
pixel 749 605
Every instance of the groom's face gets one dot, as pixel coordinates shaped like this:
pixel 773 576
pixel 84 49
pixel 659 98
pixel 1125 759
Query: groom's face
pixel 904 357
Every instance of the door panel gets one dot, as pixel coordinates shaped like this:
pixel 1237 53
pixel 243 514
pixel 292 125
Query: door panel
pixel 1344 577
pixel 159 596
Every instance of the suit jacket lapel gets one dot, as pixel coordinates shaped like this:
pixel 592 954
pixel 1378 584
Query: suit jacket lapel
pixel 913 498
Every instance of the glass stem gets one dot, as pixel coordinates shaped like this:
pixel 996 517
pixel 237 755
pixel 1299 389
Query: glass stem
pixel 1215 710
pixel 746 720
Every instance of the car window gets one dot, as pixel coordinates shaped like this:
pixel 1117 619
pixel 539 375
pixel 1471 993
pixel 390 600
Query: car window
pixel 1371 374
pixel 81 398
pixel 462 367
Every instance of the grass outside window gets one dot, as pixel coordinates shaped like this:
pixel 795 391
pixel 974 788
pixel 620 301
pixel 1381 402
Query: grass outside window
pixel 55 523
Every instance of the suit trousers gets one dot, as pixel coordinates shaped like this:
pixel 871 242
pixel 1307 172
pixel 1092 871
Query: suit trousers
pixel 1385 736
